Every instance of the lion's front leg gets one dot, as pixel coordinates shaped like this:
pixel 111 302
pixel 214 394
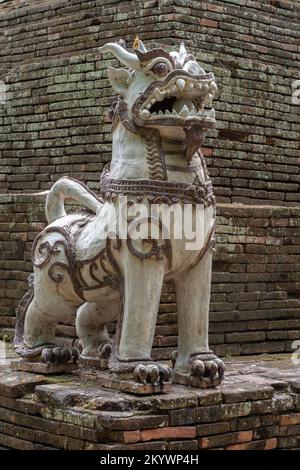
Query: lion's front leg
pixel 195 363
pixel 143 279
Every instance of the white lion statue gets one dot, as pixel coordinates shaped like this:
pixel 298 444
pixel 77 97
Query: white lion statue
pixel 81 262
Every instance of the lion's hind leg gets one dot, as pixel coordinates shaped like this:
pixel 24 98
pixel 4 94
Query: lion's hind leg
pixel 37 318
pixel 91 321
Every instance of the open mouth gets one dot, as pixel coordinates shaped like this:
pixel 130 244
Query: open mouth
pixel 182 99
pixel 164 106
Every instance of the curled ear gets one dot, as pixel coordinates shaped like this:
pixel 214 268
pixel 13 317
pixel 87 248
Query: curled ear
pixel 119 79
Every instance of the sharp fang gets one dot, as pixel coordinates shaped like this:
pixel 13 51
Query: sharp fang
pixel 212 114
pixel 158 95
pixel 184 111
pixel 168 112
pixel 200 113
pixel 160 113
pixel 213 86
pixel 174 112
pixel 180 83
pixel 145 113
pixel 192 112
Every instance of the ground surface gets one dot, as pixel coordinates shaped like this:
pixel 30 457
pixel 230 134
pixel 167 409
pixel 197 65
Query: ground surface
pixel 256 407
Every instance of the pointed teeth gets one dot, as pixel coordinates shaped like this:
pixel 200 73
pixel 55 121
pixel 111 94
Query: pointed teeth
pixel 174 112
pixel 212 114
pixel 200 113
pixel 180 83
pixel 184 111
pixel 145 113
pixel 168 112
pixel 158 95
pixel 213 87
pixel 192 112
pixel 160 113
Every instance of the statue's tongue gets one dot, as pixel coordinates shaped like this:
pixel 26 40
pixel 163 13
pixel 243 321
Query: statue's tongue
pixel 194 139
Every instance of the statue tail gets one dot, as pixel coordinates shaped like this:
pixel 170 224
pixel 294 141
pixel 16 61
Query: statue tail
pixel 68 188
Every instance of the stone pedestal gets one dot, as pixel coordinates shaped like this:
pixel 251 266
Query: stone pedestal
pixel 122 383
pixel 41 368
pixel 203 382
pixel 256 407
pixel 100 364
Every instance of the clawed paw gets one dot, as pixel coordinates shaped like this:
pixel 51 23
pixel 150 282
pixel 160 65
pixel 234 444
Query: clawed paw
pixel 152 373
pixel 207 366
pixel 104 350
pixel 174 356
pixel 60 355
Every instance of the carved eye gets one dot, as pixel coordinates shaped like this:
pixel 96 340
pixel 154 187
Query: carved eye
pixel 160 69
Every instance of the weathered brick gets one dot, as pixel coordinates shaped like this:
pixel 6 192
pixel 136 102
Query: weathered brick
pixel 108 420
pixel 236 409
pixel 197 415
pixel 212 428
pixel 289 419
pixel 289 442
pixel 222 440
pixel 16 385
pixel 183 432
pixel 183 445
pixel 262 407
pixel 267 444
pixel 246 392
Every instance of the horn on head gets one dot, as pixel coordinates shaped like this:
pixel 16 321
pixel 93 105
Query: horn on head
pixel 121 54
pixel 141 46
